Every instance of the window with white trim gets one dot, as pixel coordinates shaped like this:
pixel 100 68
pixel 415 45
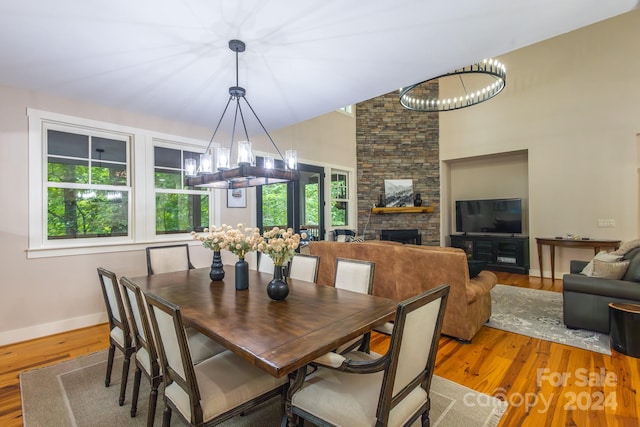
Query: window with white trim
pixel 100 187
pixel 179 209
pixel 87 184
pixel 339 198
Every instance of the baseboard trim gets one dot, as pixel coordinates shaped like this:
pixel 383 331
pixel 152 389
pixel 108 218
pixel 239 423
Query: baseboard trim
pixel 45 329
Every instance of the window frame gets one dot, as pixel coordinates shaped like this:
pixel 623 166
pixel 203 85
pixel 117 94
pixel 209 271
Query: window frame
pixel 346 199
pixel 173 145
pixel 141 185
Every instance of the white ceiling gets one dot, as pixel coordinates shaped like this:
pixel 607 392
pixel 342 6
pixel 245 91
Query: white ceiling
pixel 170 58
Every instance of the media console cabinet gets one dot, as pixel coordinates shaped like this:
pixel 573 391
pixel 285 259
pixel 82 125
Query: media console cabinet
pixel 502 253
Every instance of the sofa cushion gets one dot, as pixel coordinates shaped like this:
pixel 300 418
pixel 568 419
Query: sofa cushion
pixel 633 272
pixel 601 256
pixel 609 270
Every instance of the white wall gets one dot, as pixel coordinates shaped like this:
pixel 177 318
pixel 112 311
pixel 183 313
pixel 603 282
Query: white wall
pixel 48 295
pixel 573 103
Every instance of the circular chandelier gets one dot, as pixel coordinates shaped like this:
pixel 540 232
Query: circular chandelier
pixel 411 99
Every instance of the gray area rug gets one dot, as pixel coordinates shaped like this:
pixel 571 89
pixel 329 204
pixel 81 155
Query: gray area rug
pixel 538 314
pixel 73 394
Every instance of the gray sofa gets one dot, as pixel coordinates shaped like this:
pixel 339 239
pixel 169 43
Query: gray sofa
pixel 586 299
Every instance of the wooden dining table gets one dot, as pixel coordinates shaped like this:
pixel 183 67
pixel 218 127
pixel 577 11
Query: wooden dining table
pixel 279 337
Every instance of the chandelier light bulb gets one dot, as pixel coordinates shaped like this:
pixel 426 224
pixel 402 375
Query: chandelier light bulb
pixel 190 167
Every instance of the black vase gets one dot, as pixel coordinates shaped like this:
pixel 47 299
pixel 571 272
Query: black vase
pixel 418 200
pixel 277 289
pixel 217 268
pixel 242 275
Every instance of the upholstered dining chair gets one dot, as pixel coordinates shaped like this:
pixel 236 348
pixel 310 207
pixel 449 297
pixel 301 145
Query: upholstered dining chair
pixel 146 358
pixel 212 391
pixel 164 259
pixel 356 276
pixel 304 267
pixel 265 264
pixel 119 330
pixel 360 389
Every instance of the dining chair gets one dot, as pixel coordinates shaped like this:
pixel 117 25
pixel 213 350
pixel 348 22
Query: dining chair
pixel 168 258
pixel 265 264
pixel 212 391
pixel 356 276
pixel 389 390
pixel 304 267
pixel 147 363
pixel 119 330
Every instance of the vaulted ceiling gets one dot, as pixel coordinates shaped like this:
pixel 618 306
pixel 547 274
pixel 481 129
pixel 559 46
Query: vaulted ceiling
pixel 171 59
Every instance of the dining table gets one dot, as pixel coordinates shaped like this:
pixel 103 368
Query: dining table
pixel 280 337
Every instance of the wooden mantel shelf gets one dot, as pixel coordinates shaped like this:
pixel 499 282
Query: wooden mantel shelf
pixel 409 209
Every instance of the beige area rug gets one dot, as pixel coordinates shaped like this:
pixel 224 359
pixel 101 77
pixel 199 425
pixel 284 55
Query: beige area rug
pixel 73 394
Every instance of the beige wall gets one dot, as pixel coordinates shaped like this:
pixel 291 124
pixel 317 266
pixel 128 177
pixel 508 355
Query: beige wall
pixel 573 103
pixel 487 177
pixel 48 295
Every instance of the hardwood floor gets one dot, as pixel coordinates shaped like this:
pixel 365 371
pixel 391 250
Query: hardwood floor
pixel 546 384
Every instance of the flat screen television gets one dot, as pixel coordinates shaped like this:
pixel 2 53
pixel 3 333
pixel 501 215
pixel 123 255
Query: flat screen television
pixel 489 216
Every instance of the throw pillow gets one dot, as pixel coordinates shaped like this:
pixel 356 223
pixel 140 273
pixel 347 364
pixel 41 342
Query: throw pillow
pixel 627 246
pixel 475 267
pixel 609 270
pixel 601 256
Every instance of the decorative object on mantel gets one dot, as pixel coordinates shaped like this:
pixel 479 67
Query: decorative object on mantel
pixel 418 200
pixel 215 241
pixel 280 245
pixel 463 96
pixel 398 192
pixel 245 173
pixel 241 241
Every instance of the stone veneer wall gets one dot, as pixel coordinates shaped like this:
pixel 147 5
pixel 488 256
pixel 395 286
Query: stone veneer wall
pixel 395 143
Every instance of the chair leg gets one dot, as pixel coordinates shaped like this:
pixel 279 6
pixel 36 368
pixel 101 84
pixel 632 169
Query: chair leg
pixel 166 419
pixel 136 391
pixel 112 350
pixel 125 376
pixel 153 401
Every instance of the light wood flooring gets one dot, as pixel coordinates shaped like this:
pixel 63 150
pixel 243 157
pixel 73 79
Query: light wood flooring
pixel 546 384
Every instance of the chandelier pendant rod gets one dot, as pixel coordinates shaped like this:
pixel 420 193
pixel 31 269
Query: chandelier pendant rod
pixel 265 130
pixel 218 125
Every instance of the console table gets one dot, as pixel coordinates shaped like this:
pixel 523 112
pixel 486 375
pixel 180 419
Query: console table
pixel 552 242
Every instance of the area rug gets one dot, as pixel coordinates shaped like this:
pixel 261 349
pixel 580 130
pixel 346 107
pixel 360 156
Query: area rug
pixel 538 314
pixel 73 394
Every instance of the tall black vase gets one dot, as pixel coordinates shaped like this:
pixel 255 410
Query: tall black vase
pixel 277 289
pixel 217 268
pixel 242 275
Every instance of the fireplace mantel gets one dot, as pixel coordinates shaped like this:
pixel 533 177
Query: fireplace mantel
pixel 406 209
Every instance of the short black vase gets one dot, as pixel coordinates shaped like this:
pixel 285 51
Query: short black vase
pixel 242 275
pixel 418 200
pixel 277 289
pixel 217 268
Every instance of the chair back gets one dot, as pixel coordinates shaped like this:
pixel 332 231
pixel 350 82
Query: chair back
pixel 412 351
pixel 141 327
pixel 265 264
pixel 304 267
pixel 165 259
pixel 115 307
pixel 354 275
pixel 179 377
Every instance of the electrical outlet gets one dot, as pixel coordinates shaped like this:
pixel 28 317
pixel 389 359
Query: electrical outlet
pixel 606 223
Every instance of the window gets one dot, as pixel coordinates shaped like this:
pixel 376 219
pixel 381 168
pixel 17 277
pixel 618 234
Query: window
pixel 100 187
pixel 179 209
pixel 339 198
pixel 346 109
pixel 87 185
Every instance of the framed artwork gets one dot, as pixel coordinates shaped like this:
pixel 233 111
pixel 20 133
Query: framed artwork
pixel 398 192
pixel 237 198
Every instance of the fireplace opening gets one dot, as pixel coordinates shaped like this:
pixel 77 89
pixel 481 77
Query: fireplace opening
pixel 408 236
